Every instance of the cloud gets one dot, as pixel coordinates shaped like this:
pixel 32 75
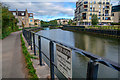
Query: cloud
pixel 43 9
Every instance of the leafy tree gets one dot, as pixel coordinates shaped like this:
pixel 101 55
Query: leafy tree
pixel 9 22
pixel 94 19
pixel 70 22
pixel 35 23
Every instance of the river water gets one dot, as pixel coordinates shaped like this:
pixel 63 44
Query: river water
pixel 103 47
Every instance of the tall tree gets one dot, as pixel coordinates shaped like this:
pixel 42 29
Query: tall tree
pixel 94 19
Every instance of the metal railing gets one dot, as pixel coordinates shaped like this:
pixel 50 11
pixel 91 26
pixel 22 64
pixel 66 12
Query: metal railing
pixel 92 68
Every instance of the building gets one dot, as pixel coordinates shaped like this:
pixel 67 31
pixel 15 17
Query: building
pixel 22 17
pixel 37 23
pixel 62 21
pixel 86 8
pixel 31 19
pixel 116 14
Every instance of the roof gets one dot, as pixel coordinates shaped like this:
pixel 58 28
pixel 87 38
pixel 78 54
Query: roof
pixel 116 8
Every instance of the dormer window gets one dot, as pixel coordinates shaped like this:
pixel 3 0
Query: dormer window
pixel 22 14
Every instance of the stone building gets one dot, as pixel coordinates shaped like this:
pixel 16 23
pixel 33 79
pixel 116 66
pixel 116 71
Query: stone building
pixel 62 21
pixel 22 17
pixel 116 14
pixel 31 19
pixel 86 8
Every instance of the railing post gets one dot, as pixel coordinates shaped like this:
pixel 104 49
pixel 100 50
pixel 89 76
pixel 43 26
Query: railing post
pixel 34 43
pixel 40 55
pixel 31 40
pixel 51 60
pixel 92 70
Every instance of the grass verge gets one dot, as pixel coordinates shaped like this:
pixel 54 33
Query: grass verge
pixel 32 71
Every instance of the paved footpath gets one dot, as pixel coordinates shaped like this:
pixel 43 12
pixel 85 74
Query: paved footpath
pixel 13 63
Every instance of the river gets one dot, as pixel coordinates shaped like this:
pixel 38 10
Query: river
pixel 104 47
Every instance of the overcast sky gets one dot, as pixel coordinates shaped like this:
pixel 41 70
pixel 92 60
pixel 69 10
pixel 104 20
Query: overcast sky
pixel 47 10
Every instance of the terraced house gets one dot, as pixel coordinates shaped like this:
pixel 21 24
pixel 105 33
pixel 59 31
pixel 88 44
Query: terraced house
pixel 86 8
pixel 22 17
pixel 31 19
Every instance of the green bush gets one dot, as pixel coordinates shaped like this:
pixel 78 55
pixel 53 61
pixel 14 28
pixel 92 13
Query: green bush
pixel 9 22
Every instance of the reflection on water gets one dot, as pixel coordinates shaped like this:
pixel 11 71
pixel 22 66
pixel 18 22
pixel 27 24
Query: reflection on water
pixel 103 47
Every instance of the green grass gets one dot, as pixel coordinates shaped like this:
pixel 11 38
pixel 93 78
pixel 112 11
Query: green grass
pixel 32 71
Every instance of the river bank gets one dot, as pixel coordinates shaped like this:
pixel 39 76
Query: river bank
pixel 102 32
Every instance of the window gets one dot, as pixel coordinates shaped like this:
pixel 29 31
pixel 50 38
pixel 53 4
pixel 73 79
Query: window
pixel 94 2
pixel 90 9
pixel 90 14
pixel 14 13
pixel 30 14
pixel 90 18
pixel 99 2
pixel 91 2
pixel 107 3
pixel 99 10
pixel 90 5
pixel 98 17
pixel 112 14
pixel 103 2
pixel 86 2
pixel 99 6
pixel 93 9
pixel 22 14
pixel 103 6
pixel 99 14
pixel 103 18
pixel 31 20
pixel 85 9
pixel 107 18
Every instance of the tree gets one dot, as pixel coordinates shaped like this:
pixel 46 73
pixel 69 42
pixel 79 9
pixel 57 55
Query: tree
pixel 9 22
pixel 70 22
pixel 94 19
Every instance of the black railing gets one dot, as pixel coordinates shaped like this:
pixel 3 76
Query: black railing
pixel 92 69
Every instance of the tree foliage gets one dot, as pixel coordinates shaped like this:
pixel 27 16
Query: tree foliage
pixel 94 19
pixel 9 22
pixel 70 22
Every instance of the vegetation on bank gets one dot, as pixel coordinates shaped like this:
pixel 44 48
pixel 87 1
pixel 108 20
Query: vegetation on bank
pixel 104 27
pixel 9 22
pixel 32 71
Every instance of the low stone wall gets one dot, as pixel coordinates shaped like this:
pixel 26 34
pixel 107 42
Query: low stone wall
pixel 112 33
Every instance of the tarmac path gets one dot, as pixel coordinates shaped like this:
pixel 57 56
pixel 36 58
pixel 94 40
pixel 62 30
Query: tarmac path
pixel 13 62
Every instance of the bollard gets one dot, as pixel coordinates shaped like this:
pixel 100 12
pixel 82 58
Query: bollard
pixel 92 70
pixel 34 44
pixel 51 60
pixel 40 55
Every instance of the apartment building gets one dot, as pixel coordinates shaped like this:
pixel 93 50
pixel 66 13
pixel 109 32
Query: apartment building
pixel 31 19
pixel 86 8
pixel 62 21
pixel 116 13
pixel 22 17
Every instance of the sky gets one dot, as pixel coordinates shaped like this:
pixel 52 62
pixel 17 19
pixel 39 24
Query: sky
pixel 47 10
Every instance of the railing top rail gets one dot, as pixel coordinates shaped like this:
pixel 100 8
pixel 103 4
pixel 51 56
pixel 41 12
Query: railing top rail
pixel 95 58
